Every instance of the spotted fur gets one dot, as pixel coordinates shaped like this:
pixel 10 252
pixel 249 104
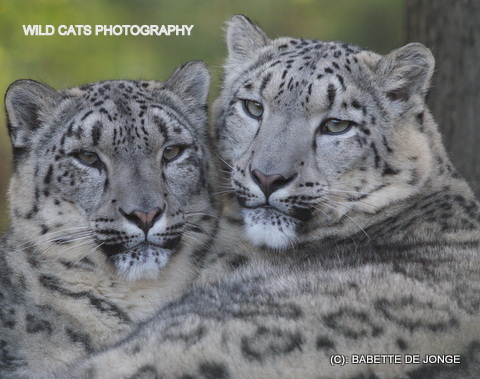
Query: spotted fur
pixel 111 212
pixel 334 242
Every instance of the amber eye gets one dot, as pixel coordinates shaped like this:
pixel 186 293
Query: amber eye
pixel 88 158
pixel 334 126
pixel 171 152
pixel 253 108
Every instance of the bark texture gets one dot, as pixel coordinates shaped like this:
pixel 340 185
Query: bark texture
pixel 451 29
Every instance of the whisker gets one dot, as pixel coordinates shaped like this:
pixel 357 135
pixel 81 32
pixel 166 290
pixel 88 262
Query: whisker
pixel 315 199
pixel 351 201
pixel 188 214
pixel 67 238
pixel 51 243
pixel 208 243
pixel 229 186
pixel 210 233
pixel 326 214
pixel 192 247
pixel 50 237
pixel 355 192
pixel 46 245
pixel 88 253
pixel 346 215
pixel 190 236
pixel 223 192
pixel 224 161
pixel 68 229
pixel 82 244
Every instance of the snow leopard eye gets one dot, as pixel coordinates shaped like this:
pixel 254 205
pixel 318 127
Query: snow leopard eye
pixel 171 152
pixel 334 126
pixel 253 108
pixel 88 158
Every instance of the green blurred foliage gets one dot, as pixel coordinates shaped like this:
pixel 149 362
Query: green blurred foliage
pixel 65 61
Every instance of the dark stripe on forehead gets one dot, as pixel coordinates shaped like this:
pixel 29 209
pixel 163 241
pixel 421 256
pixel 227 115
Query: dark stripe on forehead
pixel 252 70
pixel 177 109
pixel 173 114
pixel 96 132
pixel 162 127
pixel 265 81
pixel 331 94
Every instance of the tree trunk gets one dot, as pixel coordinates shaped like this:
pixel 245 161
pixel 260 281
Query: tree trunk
pixel 451 29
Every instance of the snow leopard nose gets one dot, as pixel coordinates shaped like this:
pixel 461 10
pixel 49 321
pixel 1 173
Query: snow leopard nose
pixel 269 183
pixel 144 220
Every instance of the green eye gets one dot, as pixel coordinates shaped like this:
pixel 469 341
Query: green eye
pixel 334 126
pixel 88 158
pixel 253 108
pixel 171 152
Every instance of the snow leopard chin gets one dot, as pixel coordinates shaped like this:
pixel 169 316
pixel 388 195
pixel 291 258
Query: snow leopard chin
pixel 268 228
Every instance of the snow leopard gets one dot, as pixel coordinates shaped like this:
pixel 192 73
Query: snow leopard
pixel 111 212
pixel 349 246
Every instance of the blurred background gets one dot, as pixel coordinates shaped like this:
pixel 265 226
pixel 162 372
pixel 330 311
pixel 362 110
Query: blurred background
pixel 66 61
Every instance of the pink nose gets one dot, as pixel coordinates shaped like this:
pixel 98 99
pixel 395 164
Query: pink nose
pixel 144 220
pixel 147 218
pixel 269 183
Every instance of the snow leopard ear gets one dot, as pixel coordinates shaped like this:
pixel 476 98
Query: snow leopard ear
pixel 191 83
pixel 27 103
pixel 406 72
pixel 244 38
